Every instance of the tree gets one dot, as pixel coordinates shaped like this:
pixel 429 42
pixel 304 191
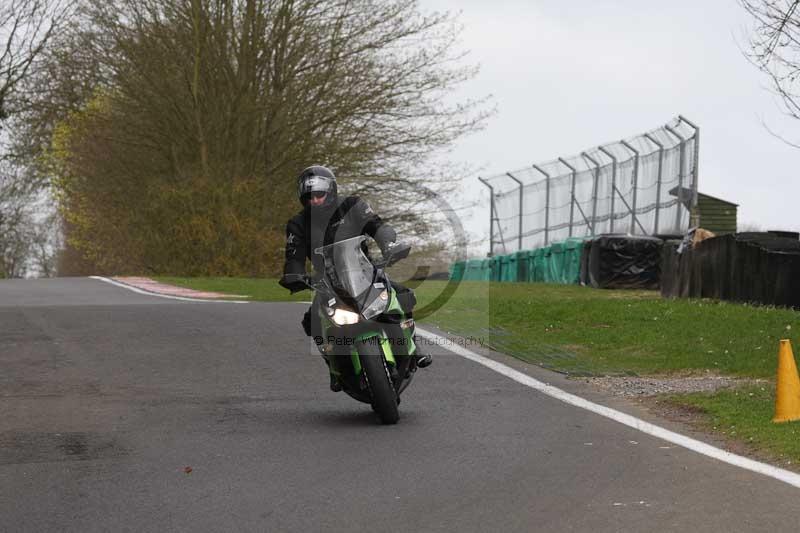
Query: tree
pixel 26 28
pixel 14 239
pixel 28 227
pixel 181 159
pixel 774 47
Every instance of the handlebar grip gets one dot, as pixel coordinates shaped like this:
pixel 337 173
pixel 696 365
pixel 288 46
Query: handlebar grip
pixel 397 252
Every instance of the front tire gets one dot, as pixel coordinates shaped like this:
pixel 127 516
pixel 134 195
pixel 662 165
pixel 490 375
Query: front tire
pixel 384 396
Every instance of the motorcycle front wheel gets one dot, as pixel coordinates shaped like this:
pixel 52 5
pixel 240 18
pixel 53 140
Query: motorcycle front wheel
pixel 379 381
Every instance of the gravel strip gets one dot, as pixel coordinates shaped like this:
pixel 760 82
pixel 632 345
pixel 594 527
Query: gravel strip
pixel 636 387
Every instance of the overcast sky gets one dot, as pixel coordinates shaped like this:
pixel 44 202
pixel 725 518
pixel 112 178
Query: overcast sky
pixel 567 76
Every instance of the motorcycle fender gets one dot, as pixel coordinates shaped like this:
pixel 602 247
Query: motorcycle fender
pixel 386 349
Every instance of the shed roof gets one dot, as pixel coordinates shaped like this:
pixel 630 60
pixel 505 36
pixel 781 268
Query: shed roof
pixel 702 195
pixel 686 193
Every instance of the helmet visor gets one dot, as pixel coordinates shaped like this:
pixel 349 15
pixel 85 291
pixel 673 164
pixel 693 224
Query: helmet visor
pixel 317 185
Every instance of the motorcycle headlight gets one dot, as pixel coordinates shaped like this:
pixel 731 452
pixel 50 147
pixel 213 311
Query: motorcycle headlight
pixel 377 306
pixel 343 317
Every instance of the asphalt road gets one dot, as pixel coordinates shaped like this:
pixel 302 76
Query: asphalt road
pixel 106 396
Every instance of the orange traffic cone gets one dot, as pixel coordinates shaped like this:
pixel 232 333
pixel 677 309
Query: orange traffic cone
pixel 787 386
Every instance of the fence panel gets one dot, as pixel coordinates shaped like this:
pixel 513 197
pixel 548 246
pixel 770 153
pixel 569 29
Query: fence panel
pixel 645 185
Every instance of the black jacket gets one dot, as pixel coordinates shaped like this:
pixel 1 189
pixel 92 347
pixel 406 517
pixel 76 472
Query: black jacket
pixel 313 228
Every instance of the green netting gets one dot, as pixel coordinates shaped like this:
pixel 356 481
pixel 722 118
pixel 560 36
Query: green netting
pixel 495 268
pixel 486 270
pixel 513 270
pixel 539 264
pixel 523 258
pixel 573 248
pixel 525 266
pixel 483 270
pixel 507 272
pixel 474 270
pixel 555 262
pixel 558 263
pixel 457 270
pixel 466 270
pixel 547 274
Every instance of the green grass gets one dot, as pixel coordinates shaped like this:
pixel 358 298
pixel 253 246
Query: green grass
pixel 745 415
pixel 587 331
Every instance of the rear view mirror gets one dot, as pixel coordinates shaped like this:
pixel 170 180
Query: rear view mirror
pixel 397 253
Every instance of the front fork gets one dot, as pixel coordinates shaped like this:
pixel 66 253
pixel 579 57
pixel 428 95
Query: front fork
pixel 377 337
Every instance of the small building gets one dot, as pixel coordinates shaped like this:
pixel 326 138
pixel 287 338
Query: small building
pixel 713 214
pixel 717 215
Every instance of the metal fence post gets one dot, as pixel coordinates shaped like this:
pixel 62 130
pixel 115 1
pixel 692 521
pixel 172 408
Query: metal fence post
pixel 613 183
pixel 635 182
pixel 546 205
pixel 595 192
pixel 519 244
pixel 572 195
pixel 696 162
pixel 658 185
pixel 680 173
pixel 491 216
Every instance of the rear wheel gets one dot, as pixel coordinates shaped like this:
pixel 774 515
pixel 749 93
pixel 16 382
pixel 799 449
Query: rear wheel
pixel 376 372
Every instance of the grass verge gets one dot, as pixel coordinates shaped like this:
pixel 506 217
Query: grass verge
pixel 587 331
pixel 744 417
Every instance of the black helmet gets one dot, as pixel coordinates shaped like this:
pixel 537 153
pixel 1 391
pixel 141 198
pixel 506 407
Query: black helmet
pixel 316 181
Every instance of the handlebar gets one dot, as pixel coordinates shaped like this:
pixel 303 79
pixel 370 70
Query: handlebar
pixel 299 282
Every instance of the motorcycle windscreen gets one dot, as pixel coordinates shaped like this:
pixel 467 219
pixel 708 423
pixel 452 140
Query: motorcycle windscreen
pixel 346 267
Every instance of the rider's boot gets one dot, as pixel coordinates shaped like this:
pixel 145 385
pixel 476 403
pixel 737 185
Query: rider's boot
pixel 423 360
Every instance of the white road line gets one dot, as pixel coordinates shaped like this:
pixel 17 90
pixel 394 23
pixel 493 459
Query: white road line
pixel 645 427
pixel 169 297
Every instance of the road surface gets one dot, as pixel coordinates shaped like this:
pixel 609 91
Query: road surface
pixel 108 398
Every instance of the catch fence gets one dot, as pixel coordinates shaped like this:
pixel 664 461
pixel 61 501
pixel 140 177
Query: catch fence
pixel 646 185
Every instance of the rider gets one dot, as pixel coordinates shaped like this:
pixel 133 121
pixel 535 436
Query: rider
pixel 326 219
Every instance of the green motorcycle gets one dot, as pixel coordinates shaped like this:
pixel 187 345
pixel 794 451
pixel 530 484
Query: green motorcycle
pixel 366 328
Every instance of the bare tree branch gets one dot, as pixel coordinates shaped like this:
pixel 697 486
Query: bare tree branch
pixel 26 29
pixel 774 48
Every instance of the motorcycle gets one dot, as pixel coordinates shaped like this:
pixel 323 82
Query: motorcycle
pixel 366 327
